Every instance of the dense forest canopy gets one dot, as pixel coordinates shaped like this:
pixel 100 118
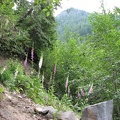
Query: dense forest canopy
pixel 78 71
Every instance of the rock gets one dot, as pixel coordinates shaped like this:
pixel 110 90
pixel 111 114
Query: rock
pixel 100 111
pixel 38 109
pixel 69 115
pixel 47 111
pixel 50 113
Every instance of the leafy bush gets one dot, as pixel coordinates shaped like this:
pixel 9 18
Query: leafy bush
pixel 10 72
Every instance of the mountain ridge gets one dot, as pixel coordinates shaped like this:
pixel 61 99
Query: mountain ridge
pixel 73 20
pixel 72 9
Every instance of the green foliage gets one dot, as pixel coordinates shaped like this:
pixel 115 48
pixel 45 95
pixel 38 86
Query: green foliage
pixel 12 40
pixel 30 25
pixel 91 61
pixel 1 89
pixel 69 59
pixel 8 77
pixel 1 93
pixel 106 47
pixel 94 61
pixel 13 77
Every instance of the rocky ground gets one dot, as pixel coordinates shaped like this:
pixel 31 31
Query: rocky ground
pixel 14 106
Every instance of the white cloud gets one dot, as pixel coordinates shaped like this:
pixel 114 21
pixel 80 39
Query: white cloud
pixel 87 5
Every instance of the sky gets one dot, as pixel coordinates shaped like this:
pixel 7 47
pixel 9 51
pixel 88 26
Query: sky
pixel 87 5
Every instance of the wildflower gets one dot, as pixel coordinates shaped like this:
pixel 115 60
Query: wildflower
pixel 25 63
pixel 91 90
pixel 66 84
pixel 3 70
pixel 54 70
pixel 40 62
pixel 32 54
pixel 82 92
pixel 16 73
pixel 79 96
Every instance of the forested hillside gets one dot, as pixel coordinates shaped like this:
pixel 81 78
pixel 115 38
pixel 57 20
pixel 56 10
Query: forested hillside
pixel 73 21
pixel 72 71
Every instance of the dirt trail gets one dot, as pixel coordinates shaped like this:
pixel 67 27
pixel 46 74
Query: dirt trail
pixel 15 106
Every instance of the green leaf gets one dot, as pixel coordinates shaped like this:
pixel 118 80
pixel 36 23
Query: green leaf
pixel 36 1
pixel 48 13
pixel 44 10
pixel 118 42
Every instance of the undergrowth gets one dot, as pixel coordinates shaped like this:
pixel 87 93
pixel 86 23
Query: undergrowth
pixel 13 76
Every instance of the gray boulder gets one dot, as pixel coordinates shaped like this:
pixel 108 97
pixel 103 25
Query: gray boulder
pixel 68 115
pixel 100 111
pixel 50 113
pixel 47 111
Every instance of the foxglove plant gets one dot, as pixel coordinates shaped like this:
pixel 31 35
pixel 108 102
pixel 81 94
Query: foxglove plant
pixel 91 90
pixel 25 63
pixel 40 61
pixel 79 96
pixel 82 92
pixel 51 80
pixel 40 64
pixel 42 78
pixel 16 73
pixel 67 82
pixel 32 54
pixel 54 69
pixel 3 70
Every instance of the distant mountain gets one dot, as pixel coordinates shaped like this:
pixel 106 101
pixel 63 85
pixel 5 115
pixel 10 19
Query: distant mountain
pixel 73 21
